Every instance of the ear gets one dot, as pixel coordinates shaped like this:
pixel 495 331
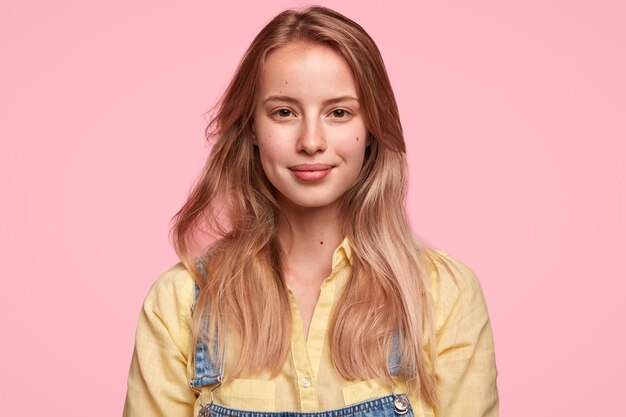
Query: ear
pixel 254 141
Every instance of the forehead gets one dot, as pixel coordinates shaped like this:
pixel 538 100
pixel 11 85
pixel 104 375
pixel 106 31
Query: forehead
pixel 306 69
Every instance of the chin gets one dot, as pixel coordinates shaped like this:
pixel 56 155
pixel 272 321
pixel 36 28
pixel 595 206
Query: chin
pixel 309 201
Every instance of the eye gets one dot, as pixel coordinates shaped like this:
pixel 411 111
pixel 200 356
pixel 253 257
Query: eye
pixel 283 113
pixel 340 113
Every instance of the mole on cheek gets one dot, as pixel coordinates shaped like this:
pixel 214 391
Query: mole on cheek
pixel 321 243
pixel 286 82
pixel 357 138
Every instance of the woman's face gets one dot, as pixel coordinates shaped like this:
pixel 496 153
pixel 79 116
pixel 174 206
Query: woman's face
pixel 308 125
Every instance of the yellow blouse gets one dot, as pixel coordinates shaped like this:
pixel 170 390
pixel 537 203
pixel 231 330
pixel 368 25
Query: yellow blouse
pixel 162 362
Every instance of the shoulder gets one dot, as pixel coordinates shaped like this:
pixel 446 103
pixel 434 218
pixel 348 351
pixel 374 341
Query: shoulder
pixel 450 273
pixel 172 292
pixel 455 287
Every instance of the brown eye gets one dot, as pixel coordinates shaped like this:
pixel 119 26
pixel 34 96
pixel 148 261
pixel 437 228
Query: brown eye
pixel 284 112
pixel 340 113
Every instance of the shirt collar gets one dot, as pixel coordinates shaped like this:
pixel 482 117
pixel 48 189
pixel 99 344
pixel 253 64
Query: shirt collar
pixel 342 254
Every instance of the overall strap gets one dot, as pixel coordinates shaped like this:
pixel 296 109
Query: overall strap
pixel 393 362
pixel 207 371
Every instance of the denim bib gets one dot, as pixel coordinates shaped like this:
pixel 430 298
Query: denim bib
pixel 388 406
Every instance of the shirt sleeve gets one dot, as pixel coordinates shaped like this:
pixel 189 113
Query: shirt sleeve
pixel 465 364
pixel 158 384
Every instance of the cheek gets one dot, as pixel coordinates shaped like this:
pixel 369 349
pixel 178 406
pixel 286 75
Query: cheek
pixel 268 148
pixel 274 142
pixel 353 145
pixel 272 152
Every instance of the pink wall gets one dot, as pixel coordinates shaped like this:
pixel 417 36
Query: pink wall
pixel 515 121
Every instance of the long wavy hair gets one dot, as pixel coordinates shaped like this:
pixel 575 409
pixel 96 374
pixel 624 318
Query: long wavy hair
pixel 233 206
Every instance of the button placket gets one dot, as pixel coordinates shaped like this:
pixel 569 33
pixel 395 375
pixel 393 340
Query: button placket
pixel 304 374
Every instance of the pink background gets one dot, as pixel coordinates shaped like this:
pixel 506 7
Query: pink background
pixel 515 122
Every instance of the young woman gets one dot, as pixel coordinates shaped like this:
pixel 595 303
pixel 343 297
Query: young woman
pixel 302 288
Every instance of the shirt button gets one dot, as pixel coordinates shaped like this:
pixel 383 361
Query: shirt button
pixel 306 382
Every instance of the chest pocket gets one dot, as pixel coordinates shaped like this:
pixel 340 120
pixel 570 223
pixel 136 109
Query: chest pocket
pixel 247 394
pixel 364 390
pixel 373 388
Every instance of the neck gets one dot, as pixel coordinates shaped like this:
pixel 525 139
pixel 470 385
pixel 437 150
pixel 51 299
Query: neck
pixel 309 237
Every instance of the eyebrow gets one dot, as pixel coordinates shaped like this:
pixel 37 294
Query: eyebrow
pixel 290 99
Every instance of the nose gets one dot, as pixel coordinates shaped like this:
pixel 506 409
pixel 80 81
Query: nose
pixel 311 138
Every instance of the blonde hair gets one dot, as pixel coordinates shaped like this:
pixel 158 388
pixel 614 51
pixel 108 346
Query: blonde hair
pixel 233 205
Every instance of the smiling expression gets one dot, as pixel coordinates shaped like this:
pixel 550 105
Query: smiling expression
pixel 308 125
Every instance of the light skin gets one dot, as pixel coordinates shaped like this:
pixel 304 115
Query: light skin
pixel 311 136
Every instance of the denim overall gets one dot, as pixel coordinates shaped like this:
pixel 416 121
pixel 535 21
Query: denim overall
pixel 207 372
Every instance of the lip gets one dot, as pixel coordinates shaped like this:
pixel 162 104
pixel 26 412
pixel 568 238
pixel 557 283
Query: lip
pixel 311 172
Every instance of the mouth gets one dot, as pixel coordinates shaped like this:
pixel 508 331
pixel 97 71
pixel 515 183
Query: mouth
pixel 311 172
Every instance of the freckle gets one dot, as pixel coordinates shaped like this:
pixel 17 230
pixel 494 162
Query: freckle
pixel 286 82
pixel 321 243
pixel 357 138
